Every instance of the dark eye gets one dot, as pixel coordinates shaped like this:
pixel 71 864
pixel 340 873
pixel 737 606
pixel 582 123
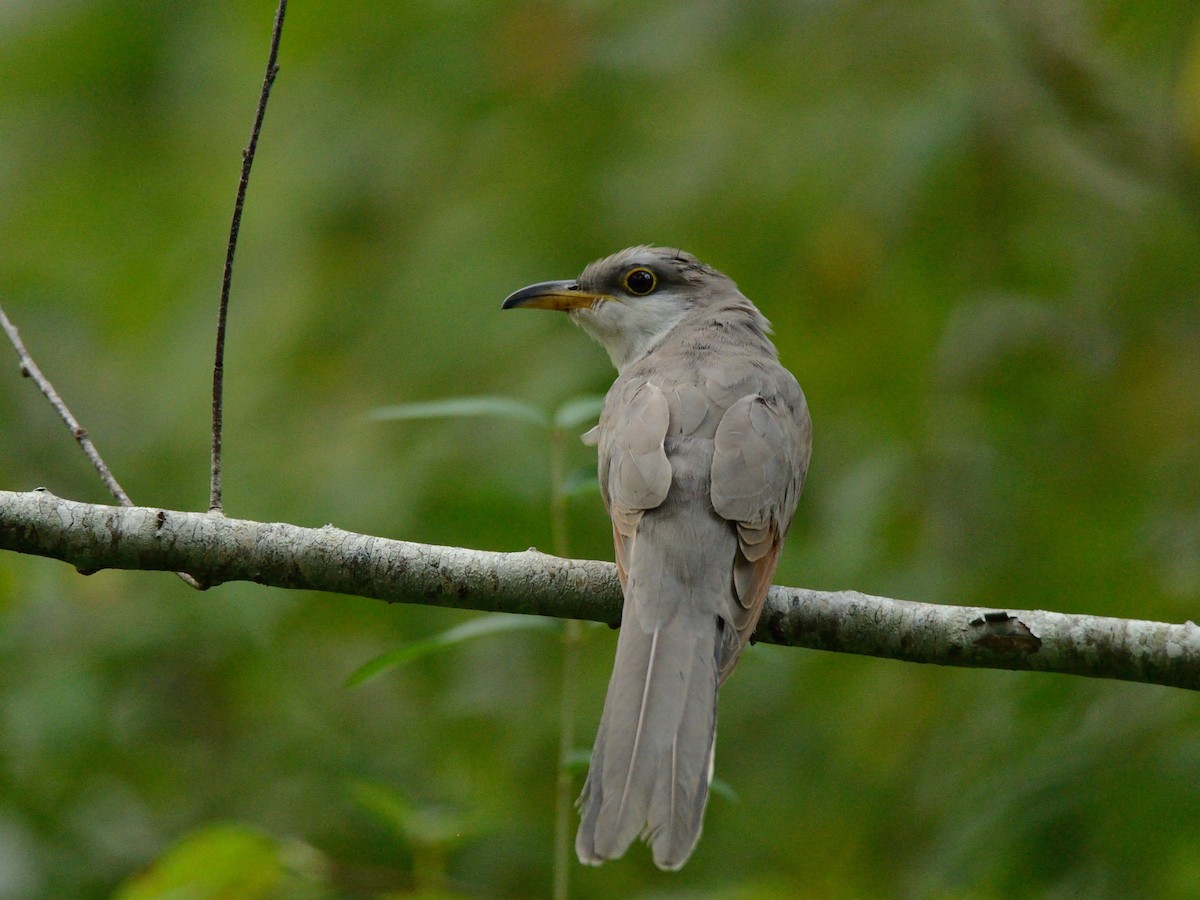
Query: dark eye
pixel 640 281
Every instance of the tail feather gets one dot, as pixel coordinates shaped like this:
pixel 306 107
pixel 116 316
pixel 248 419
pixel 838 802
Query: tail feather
pixel 652 758
pixel 676 813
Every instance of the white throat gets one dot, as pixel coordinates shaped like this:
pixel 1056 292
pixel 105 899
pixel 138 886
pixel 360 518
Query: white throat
pixel 627 331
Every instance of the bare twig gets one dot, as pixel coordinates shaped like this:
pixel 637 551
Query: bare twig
pixel 215 503
pixel 217 548
pixel 29 369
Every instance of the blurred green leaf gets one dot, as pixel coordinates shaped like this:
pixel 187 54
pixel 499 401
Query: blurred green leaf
pixel 464 407
pixel 499 623
pixel 577 761
pixel 221 862
pixel 425 824
pixel 579 410
pixel 387 805
pixel 719 787
pixel 579 482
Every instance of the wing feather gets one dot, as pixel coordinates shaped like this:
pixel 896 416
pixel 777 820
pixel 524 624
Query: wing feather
pixel 635 474
pixel 760 457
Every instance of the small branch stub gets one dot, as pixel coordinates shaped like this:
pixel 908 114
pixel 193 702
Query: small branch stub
pixel 1001 632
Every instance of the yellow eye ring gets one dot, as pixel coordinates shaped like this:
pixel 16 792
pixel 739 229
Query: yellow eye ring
pixel 640 281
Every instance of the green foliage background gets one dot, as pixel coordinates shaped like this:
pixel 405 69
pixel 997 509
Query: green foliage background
pixel 976 227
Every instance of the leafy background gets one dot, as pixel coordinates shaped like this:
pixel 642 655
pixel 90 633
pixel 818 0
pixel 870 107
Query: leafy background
pixel 976 228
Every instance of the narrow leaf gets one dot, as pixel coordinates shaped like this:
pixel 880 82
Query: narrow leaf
pixel 579 410
pixel 577 761
pixel 427 825
pixel 385 804
pixel 723 789
pixel 498 623
pixel 464 407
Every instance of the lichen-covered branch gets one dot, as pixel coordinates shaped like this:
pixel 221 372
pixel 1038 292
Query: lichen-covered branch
pixel 216 549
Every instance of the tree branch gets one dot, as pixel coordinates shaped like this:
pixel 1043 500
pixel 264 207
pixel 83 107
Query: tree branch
pixel 216 549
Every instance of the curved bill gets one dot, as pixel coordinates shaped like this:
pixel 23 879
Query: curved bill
pixel 560 295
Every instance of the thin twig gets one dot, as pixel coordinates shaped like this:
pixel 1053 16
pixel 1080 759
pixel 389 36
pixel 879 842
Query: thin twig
pixel 215 503
pixel 29 369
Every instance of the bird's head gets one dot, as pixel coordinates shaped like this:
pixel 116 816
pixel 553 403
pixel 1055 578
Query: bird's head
pixel 630 300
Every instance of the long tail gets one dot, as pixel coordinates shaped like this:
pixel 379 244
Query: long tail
pixel 652 760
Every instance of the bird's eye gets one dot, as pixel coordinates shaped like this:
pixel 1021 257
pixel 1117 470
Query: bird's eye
pixel 640 281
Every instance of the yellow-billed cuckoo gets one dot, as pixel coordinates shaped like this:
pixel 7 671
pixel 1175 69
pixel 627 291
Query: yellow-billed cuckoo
pixel 704 441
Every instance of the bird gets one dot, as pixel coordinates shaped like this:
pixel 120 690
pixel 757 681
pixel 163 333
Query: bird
pixel 703 443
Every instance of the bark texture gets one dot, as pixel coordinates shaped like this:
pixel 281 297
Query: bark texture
pixel 216 549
